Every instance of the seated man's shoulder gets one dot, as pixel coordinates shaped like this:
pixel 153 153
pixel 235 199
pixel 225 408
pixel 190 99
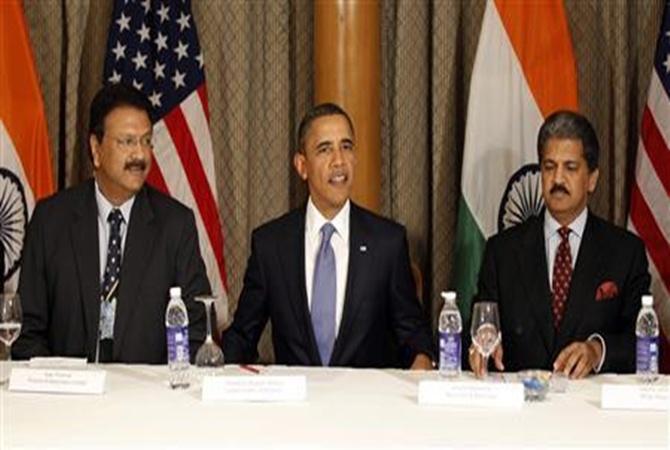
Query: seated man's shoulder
pixel 63 201
pixel 517 234
pixel 379 225
pixel 613 233
pixel 279 226
pixel 165 206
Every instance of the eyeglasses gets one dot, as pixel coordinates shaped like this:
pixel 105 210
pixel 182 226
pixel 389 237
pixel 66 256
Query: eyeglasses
pixel 128 142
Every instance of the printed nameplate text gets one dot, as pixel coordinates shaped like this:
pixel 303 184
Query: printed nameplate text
pixel 471 393
pixel 650 397
pixel 59 381
pixel 255 388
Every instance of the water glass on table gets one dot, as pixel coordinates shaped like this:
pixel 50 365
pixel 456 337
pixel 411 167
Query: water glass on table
pixel 485 329
pixel 209 355
pixel 10 328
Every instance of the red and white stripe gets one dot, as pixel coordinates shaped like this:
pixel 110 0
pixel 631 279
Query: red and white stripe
pixel 650 199
pixel 184 168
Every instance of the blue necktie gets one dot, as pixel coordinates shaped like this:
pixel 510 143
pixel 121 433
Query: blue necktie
pixel 110 283
pixel 324 289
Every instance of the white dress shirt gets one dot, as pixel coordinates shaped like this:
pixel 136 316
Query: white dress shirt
pixel 314 220
pixel 104 208
pixel 552 239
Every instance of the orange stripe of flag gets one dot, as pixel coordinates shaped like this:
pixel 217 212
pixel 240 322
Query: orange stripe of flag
pixel 540 36
pixel 21 107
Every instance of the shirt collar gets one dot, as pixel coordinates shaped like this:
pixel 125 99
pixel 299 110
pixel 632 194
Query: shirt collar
pixel 314 220
pixel 577 226
pixel 105 207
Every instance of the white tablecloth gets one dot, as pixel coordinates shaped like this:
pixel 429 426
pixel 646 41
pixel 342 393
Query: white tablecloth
pixel 346 408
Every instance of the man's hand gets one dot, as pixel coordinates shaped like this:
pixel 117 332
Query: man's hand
pixel 578 359
pixel 422 362
pixel 477 363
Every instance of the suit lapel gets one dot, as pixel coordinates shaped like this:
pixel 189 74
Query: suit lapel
pixel 291 256
pixel 533 261
pixel 358 239
pixel 137 250
pixel 585 278
pixel 84 236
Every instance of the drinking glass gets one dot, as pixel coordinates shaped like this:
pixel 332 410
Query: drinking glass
pixel 485 329
pixel 209 354
pixel 10 328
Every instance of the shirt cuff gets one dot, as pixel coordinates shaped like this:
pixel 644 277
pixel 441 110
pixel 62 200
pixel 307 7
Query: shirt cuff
pixel 599 338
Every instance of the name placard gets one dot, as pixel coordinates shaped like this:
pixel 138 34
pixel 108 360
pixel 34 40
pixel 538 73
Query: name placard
pixel 255 388
pixel 471 393
pixel 58 381
pixel 649 397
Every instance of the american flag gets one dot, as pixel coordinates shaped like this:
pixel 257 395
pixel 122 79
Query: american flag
pixel 153 45
pixel 650 193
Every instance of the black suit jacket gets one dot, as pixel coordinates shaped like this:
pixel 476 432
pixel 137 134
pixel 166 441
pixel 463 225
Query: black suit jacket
pixel 514 273
pixel 60 277
pixel 381 312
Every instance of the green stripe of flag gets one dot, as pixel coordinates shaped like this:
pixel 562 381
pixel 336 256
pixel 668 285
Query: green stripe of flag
pixel 468 257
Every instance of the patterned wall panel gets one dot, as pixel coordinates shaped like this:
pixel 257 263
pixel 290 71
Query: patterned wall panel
pixel 258 57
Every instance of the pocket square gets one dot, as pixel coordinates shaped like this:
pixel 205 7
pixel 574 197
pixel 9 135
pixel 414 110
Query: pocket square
pixel 606 291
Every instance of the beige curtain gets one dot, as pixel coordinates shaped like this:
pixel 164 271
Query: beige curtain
pixel 258 57
pixel 428 54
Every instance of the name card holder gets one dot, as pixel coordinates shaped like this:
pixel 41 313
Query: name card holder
pixel 57 381
pixel 644 397
pixel 255 388
pixel 471 393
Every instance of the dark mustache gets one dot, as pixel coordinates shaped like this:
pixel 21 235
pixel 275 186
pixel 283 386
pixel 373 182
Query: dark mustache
pixel 559 188
pixel 135 164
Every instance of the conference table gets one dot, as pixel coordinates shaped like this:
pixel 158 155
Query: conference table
pixel 345 408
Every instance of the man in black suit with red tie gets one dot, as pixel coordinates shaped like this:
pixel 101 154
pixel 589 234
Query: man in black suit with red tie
pixel 568 284
pixel 333 278
pixel 100 257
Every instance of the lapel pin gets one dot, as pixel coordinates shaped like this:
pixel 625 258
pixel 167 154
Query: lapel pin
pixel 363 248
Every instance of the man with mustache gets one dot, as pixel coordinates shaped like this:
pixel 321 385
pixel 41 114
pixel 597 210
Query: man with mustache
pixel 568 284
pixel 333 278
pixel 99 258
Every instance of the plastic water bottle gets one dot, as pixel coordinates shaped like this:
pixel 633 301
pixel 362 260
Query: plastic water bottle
pixel 450 327
pixel 646 330
pixel 176 324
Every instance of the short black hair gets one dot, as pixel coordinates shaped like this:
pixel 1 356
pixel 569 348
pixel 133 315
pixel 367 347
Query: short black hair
pixel 321 110
pixel 570 125
pixel 112 96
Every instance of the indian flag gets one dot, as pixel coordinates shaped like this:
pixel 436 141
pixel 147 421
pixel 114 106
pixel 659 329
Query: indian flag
pixel 524 70
pixel 25 164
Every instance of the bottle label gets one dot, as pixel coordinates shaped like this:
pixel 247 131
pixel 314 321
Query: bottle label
pixel 177 343
pixel 647 354
pixel 450 351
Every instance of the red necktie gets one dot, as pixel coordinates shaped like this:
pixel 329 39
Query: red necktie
pixel 560 285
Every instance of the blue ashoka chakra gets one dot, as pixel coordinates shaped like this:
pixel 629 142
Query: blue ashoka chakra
pixel 522 198
pixel 13 221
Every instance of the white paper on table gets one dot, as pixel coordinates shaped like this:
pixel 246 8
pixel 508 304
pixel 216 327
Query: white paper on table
pixel 255 388
pixel 57 381
pixel 650 397
pixel 471 393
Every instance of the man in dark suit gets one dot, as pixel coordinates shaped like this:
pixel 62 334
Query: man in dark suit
pixel 99 258
pixel 333 278
pixel 568 284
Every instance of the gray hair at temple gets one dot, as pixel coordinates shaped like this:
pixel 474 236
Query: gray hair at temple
pixel 570 125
